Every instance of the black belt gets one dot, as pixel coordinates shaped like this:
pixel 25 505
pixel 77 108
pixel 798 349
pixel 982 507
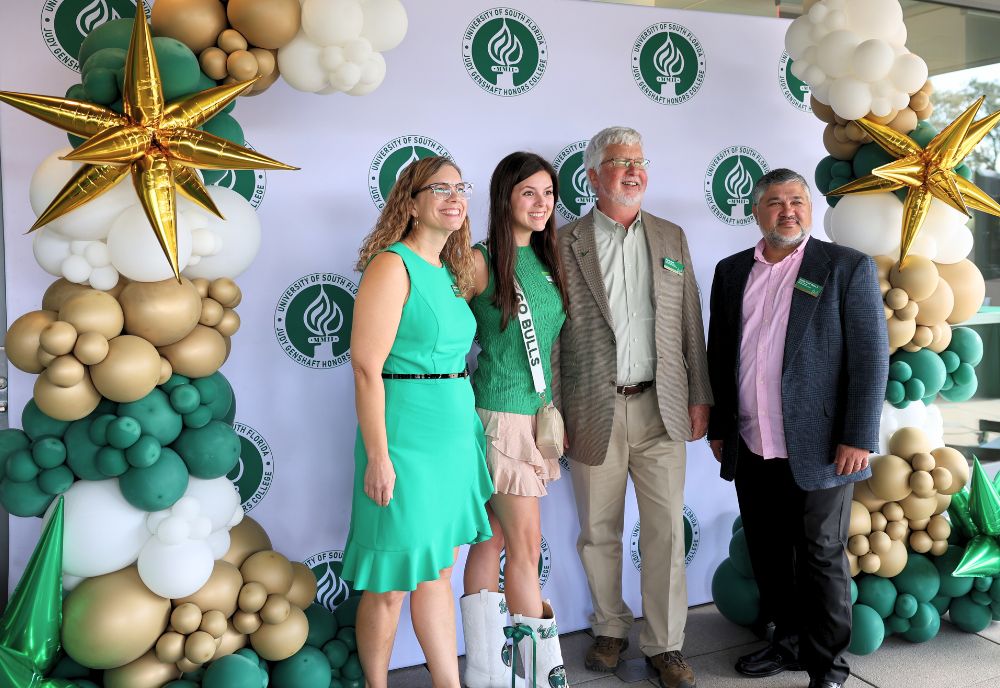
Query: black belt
pixel 637 388
pixel 424 376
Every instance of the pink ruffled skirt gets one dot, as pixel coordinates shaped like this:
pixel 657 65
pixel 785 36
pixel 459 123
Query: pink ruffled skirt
pixel 516 465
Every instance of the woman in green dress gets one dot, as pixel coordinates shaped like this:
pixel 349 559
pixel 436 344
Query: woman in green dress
pixel 520 253
pixel 421 482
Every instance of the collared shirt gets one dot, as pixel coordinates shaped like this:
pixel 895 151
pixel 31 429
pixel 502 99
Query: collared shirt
pixel 767 301
pixel 628 281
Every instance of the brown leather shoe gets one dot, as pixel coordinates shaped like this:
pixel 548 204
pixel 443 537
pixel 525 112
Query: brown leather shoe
pixel 673 670
pixel 605 653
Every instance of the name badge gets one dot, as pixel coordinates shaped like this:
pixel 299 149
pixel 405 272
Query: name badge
pixel 456 290
pixel 673 265
pixel 548 277
pixel 811 288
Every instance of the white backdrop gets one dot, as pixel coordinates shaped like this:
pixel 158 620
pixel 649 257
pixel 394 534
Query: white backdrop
pixel 297 416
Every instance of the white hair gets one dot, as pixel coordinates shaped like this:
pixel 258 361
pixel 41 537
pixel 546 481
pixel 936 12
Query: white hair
pixel 621 136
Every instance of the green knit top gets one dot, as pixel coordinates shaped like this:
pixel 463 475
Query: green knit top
pixel 503 380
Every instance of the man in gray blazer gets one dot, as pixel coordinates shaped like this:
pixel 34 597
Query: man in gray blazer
pixel 799 359
pixel 634 388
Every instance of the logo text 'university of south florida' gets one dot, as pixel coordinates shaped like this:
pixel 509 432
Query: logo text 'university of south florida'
pixel 504 51
pixel 312 320
pixel 668 63
pixel 729 180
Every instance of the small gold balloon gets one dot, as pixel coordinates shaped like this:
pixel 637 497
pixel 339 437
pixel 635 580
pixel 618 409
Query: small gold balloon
pixel 213 62
pixel 864 494
pixel 896 298
pixel 908 441
pixel 226 292
pixel 880 542
pixel 942 478
pixel 855 566
pixel 199 354
pixel 201 284
pixel 91 348
pixel 145 672
pixel 66 403
pixel 858 545
pixel 231 40
pixel 918 508
pixel 65 371
pixel 303 589
pixel 211 312
pixel 922 484
pixel 280 641
pixel 939 547
pixel 879 522
pixel 938 528
pixel 246 622
pixel 890 477
pixel 229 324
pixel 242 65
pixel 170 647
pixel 59 291
pixel 275 610
pixel 166 370
pixel 58 338
pixel 267 63
pixel 252 598
pixel 219 592
pixel 195 23
pixel 908 313
pixel 270 569
pixel 199 647
pixel 162 312
pixel 900 331
pixel 893 511
pixel 45 358
pixel 920 542
pixel 919 525
pixel 22 340
pixel 893 561
pixel 232 640
pixel 186 618
pixel 952 461
pixel 186 666
pixel 922 461
pixel 213 622
pixel 246 538
pixel 870 563
pixel 896 530
pixel 93 311
pixel 129 372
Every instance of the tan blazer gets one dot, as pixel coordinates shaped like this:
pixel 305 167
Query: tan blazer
pixel 587 348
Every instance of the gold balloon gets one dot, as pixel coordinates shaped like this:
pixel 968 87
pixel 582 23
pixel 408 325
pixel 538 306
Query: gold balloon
pixel 893 561
pixel 252 598
pixel 220 590
pixel 202 285
pixel 858 545
pixel 145 672
pixel 870 562
pixel 918 278
pixel 65 371
pixel 861 521
pixel 280 641
pixel 242 65
pixel 939 528
pixel 93 311
pixel 922 461
pixel 230 323
pixel 905 121
pixel 226 292
pixel 918 508
pixel 838 149
pixel 45 358
pixel 58 338
pixel 199 647
pixel 852 561
pixel 275 610
pixel 91 348
pixel 265 24
pixel 186 618
pixel 195 23
pixel 921 542
pixel 936 308
pixel 66 403
pixel 231 41
pixel 879 522
pixel 232 640
pixel 170 647
pixel 111 620
pixel 246 538
pixel 890 478
pixel 199 354
pixel 59 291
pixel 213 622
pixel 186 666
pixel 966 281
pixel 954 462
pixel 129 372
pixel 896 530
pixel 158 143
pixel 246 622
pixel 22 340
pixel 900 331
pixel 880 543
pixel 908 441
pixel 893 511
pixel 270 569
pixel 213 62
pixel 922 484
pixel 303 589
pixel 212 312
pixel 162 312
pixel 863 493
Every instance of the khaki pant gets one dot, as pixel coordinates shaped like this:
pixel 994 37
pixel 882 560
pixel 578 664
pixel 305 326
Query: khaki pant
pixel 641 448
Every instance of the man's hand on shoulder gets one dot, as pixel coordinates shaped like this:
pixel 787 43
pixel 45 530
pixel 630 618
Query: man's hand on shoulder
pixel 850 459
pixel 699 420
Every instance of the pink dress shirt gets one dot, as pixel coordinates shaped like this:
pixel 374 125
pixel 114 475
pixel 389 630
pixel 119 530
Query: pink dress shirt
pixel 767 300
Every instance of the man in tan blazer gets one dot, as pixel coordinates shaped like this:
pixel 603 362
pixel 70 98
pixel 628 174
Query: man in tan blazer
pixel 634 387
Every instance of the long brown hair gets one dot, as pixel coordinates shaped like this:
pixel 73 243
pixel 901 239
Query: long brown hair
pixel 510 172
pixel 395 223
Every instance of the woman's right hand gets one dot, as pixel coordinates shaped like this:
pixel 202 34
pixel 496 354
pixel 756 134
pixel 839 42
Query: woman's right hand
pixel 380 479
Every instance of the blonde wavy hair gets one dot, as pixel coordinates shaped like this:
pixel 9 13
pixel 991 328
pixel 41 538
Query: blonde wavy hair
pixel 395 223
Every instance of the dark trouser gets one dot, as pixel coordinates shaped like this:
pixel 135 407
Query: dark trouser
pixel 796 542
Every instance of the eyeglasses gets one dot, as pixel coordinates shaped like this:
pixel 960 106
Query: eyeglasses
pixel 444 190
pixel 637 163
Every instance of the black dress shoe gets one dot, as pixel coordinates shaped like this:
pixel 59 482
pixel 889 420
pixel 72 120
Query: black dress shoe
pixel 767 661
pixel 821 683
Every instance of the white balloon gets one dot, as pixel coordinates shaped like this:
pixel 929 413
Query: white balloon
pixel 346 76
pixel 821 92
pixel 299 64
pixel 814 76
pixel 357 50
pixel 385 23
pixel 872 60
pixel 900 100
pixel 174 530
pixel 50 248
pixel 817 13
pixel 868 222
pixel 70 582
pixel 909 73
pixel 332 57
pixel 102 532
pixel 948 229
pixel 874 18
pixel 828 225
pixel 238 237
pixel 201 528
pixel 202 243
pixel 834 52
pixel 372 71
pixel 103 278
pixel 836 20
pixel 898 39
pixel 798 37
pixel 916 414
pixel 76 269
pixel 219 542
pixel 216 499
pixel 331 22
pixel 174 571
pixel 135 251
pixel 850 98
pixel 881 107
pixel 78 246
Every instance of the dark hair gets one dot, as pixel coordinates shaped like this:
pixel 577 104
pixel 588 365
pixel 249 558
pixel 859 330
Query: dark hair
pixel 782 175
pixel 510 172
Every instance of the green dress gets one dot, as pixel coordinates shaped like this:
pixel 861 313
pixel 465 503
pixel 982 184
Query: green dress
pixel 436 446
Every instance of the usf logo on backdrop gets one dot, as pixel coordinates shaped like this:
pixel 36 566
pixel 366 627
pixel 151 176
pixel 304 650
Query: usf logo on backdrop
pixel 392 159
pixel 65 23
pixel 312 320
pixel 544 565
pixel 253 473
pixel 794 89
pixel 504 51
pixel 250 184
pixel 668 63
pixel 575 192
pixel 692 539
pixel 331 590
pixel 729 180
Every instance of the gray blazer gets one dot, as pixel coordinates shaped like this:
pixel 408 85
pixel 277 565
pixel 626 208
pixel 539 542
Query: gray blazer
pixel 587 348
pixel 835 367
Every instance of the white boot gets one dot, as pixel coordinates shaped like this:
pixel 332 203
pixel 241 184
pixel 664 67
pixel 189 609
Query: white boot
pixel 484 615
pixel 549 670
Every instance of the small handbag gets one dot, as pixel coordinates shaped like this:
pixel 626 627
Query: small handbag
pixel 549 428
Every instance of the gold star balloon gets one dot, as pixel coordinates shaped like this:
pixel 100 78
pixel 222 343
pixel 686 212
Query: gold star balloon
pixel 158 144
pixel 928 172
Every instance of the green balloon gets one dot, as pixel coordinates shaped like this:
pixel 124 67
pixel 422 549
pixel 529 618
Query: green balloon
pixel 923 133
pixel 123 432
pixel 915 390
pixel 322 625
pixel 198 418
pixel 900 370
pixel 995 591
pixel 980 597
pixel 739 555
pixel 924 625
pixel 906 606
pixel 155 487
pixel 144 453
pixel 49 452
pixel 36 424
pixel 960 392
pixel 101 86
pixel 824 173
pixel 209 452
pixel 964 170
pixel 81 452
pixel 226 127
pixel 940 603
pixel 969 616
pixel 67 667
pixel 737 522
pixel 868 157
pixel 249 654
pixel 21 467
pixel 55 481
pixel 867 630
pixel 895 393
pixel 964 375
pixel 983 583
pixel 111 462
pixel 896 624
pixel 76 92
pixel 185 398
pixel 336 683
pixel 155 416
pixel 349 637
pixel 232 671
pixel 10 441
pixel 352 668
pixel 307 667
pixel 927 367
pixel 951 360
pixel 106 58
pixel 878 593
pixel 182 683
pixel 842 168
pixel 336 653
pixel 737 597
pixel 352 682
pixel 952 586
pixel 854 591
pixel 918 578
pixel 24 499
pixel 99 428
pixel 174 381
pixel 208 388
pixel 180 72
pixel 112 34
